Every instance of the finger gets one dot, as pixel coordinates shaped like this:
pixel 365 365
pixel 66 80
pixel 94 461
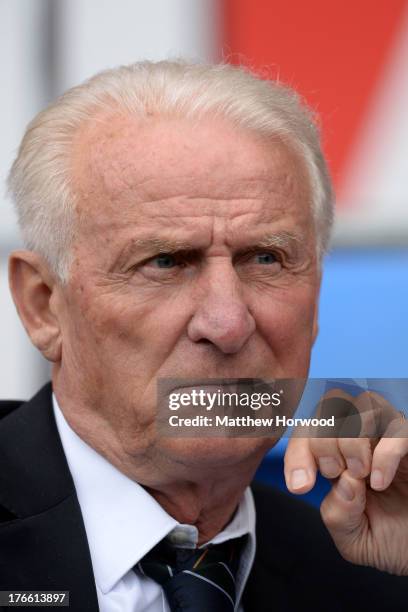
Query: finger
pixel 385 413
pixel 355 417
pixel 369 410
pixel 342 511
pixel 340 405
pixel 357 455
pixel 300 467
pixel 388 454
pixel 327 456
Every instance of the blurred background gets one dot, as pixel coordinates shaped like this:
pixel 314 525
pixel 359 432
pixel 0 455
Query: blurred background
pixel 348 60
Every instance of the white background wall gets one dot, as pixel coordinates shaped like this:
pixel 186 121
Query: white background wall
pixel 45 47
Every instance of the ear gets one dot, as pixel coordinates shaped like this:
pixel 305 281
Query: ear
pixel 315 324
pixel 315 329
pixel 34 291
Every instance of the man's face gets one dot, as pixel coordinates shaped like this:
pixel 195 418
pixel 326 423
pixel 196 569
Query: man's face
pixel 194 258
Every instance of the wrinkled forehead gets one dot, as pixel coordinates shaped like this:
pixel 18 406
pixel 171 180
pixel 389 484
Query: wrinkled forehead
pixel 122 158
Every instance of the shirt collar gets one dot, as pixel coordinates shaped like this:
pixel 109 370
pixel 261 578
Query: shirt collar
pixel 123 522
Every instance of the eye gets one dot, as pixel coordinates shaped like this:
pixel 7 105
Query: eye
pixel 164 260
pixel 265 258
pixel 164 266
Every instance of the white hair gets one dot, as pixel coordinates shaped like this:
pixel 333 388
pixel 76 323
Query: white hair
pixel 40 180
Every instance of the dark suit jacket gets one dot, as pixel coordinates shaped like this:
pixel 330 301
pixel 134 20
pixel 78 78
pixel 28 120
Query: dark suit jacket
pixel 43 544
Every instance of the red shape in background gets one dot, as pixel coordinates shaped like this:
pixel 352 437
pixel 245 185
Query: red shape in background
pixel 333 52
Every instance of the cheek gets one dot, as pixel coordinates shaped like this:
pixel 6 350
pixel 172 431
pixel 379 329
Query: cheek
pixel 286 320
pixel 123 326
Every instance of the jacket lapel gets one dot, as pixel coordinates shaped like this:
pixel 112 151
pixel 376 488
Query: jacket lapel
pixel 43 543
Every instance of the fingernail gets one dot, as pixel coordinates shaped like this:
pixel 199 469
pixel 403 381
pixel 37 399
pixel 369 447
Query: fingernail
pixel 355 466
pixel 329 466
pixel 298 479
pixel 345 490
pixel 377 479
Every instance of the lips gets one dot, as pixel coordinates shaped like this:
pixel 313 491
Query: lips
pixel 168 385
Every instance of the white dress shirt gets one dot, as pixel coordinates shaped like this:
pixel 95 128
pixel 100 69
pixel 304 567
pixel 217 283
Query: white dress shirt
pixel 123 522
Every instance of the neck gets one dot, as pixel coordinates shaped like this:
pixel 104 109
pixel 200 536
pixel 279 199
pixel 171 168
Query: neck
pixel 208 506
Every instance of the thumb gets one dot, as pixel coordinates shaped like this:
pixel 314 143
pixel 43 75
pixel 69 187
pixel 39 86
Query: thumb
pixel 343 514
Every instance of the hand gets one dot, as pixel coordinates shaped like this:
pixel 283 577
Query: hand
pixel 366 511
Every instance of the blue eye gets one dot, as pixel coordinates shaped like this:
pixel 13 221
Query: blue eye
pixel 165 261
pixel 266 258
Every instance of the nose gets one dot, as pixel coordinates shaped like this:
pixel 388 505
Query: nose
pixel 222 317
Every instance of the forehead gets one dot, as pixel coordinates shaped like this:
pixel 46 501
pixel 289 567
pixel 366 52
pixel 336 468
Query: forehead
pixel 120 163
pixel 119 153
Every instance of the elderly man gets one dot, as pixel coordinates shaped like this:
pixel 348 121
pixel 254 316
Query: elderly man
pixel 175 217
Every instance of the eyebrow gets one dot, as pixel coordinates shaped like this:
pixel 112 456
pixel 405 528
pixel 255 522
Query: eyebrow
pixel 154 245
pixel 162 245
pixel 280 239
pixel 284 239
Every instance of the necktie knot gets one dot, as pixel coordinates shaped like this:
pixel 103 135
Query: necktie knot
pixel 195 580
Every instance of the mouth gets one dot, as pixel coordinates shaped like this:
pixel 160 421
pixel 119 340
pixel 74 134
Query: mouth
pixel 169 385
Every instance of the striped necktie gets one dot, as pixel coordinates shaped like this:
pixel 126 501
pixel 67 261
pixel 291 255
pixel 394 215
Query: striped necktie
pixel 195 580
